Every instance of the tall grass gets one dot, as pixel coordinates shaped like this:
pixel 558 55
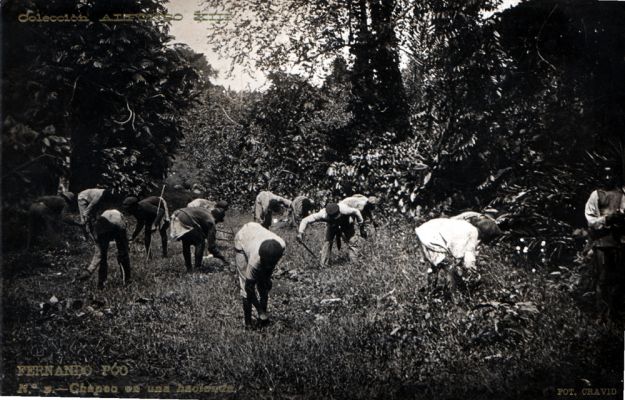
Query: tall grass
pixel 365 328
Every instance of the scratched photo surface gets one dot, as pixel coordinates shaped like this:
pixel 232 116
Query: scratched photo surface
pixel 294 199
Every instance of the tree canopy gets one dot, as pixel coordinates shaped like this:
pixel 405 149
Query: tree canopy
pixel 96 102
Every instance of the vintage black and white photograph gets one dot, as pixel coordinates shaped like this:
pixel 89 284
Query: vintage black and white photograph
pixel 298 199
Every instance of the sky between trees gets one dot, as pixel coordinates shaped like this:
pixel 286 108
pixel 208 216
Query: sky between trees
pixel 193 33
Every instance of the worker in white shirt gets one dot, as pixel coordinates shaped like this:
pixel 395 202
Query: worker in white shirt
pixel 440 237
pixel 365 205
pixel 605 214
pixel 258 251
pixel 90 204
pixel 339 219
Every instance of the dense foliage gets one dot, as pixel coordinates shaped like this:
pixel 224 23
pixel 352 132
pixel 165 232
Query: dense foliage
pixel 520 110
pixel 96 102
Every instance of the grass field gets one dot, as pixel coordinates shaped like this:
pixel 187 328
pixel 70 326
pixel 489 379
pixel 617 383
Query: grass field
pixel 357 329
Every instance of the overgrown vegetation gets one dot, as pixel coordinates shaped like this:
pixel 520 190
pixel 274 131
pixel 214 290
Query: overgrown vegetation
pixel 505 109
pixel 94 102
pixel 358 329
pixel 520 111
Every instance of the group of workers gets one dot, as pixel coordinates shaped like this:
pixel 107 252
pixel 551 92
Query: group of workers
pixel 258 249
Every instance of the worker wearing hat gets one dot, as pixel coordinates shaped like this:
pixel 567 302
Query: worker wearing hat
pixel 151 213
pixel 258 251
pixel 339 219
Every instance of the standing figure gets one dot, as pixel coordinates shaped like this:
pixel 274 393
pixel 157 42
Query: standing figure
pixel 90 204
pixel 266 204
pixel 108 227
pixel 365 205
pixel 46 213
pixel 301 207
pixel 605 213
pixel 195 226
pixel 151 213
pixel 258 250
pixel 339 222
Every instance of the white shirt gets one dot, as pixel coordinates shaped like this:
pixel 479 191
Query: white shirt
pixel 593 213
pixel 357 201
pixel 322 216
pixel 208 204
pixel 248 240
pixel 442 236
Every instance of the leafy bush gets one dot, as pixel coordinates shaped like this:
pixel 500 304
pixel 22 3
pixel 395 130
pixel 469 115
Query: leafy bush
pixel 97 87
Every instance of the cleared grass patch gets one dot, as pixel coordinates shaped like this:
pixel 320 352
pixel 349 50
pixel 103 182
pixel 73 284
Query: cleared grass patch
pixel 357 329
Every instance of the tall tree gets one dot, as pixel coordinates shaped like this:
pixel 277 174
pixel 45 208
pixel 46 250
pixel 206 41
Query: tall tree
pixel 280 35
pixel 111 92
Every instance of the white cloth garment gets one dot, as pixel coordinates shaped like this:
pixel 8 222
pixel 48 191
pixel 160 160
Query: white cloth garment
pixel 204 203
pixel 442 236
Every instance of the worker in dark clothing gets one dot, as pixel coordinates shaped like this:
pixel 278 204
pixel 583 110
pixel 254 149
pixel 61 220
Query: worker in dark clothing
pixel 195 226
pixel 46 213
pixel 151 213
pixel 108 227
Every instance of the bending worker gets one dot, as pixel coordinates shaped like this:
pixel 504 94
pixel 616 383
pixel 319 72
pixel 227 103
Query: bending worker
pixel 47 212
pixel 195 226
pixel 110 226
pixel 301 207
pixel 209 204
pixel 258 250
pixel 442 236
pixel 151 213
pixel 90 204
pixel 365 205
pixel 266 204
pixel 338 223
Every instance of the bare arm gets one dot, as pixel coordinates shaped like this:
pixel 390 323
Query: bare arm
pixel 311 219
pixel 352 212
